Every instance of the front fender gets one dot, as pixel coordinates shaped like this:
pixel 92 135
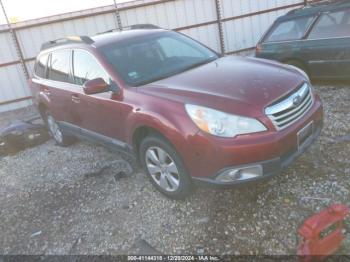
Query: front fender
pixel 174 124
pixel 169 129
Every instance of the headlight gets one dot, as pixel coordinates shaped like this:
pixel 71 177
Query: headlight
pixel 222 124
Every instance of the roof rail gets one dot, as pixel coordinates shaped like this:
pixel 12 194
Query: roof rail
pixel 320 5
pixel 327 2
pixel 144 26
pixel 132 27
pixel 67 40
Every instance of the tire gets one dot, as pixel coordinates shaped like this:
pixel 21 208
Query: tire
pixel 56 132
pixel 164 167
pixel 298 65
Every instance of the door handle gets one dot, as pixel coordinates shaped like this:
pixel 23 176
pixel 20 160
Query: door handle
pixel 75 99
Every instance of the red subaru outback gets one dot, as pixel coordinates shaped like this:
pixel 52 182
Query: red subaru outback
pixel 187 113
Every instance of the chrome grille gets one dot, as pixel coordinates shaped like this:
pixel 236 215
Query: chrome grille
pixel 291 109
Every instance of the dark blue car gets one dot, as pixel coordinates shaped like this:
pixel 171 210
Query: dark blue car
pixel 315 38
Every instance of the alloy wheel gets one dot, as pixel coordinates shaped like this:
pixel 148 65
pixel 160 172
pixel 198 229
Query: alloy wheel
pixel 162 169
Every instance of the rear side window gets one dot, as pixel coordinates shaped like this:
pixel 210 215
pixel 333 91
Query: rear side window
pixel 332 25
pixel 289 30
pixel 60 66
pixel 85 67
pixel 40 66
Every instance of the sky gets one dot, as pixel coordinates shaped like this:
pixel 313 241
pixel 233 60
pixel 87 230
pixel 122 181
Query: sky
pixel 20 10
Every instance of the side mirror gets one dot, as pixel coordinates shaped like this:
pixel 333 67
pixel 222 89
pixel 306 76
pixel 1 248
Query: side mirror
pixel 113 86
pixel 95 86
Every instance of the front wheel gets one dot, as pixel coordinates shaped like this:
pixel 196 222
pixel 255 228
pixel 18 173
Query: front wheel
pixel 164 167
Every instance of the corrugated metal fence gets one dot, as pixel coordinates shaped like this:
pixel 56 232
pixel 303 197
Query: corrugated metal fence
pixel 228 26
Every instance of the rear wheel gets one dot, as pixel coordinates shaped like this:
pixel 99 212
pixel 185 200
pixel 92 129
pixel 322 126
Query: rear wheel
pixel 164 167
pixel 56 132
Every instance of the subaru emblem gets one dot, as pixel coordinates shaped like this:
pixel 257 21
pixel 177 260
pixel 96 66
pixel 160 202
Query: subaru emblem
pixel 297 100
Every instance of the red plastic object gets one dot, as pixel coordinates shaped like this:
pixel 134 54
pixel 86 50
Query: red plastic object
pixel 322 233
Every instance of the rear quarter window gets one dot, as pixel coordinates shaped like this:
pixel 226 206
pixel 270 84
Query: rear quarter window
pixel 40 66
pixel 289 30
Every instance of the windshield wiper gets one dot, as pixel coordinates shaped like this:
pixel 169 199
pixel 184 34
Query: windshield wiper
pixel 148 81
pixel 196 65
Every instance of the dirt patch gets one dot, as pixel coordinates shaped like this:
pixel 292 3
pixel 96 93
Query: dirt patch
pixel 48 205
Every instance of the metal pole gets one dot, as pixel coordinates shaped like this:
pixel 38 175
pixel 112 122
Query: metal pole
pixel 16 42
pixel 117 15
pixel 220 26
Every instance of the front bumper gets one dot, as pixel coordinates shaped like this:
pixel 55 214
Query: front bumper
pixel 270 167
pixel 250 158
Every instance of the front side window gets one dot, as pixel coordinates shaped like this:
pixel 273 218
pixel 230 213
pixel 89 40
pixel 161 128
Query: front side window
pixel 60 66
pixel 40 66
pixel 85 67
pixel 330 25
pixel 143 60
pixel 289 30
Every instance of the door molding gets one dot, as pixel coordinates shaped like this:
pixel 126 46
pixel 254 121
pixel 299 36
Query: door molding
pixel 111 143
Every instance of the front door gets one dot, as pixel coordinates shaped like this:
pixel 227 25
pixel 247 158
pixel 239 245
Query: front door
pixel 97 114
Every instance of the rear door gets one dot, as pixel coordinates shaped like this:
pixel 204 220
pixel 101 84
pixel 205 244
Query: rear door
pixel 327 47
pixel 60 85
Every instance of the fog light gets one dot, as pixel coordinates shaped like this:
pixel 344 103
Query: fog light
pixel 239 174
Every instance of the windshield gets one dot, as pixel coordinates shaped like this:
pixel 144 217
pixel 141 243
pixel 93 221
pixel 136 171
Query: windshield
pixel 140 61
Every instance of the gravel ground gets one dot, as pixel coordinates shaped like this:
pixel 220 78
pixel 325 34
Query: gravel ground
pixel 53 201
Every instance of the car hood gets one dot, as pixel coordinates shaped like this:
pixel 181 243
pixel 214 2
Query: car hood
pixel 236 85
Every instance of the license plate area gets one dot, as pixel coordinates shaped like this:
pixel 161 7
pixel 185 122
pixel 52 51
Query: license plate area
pixel 305 134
